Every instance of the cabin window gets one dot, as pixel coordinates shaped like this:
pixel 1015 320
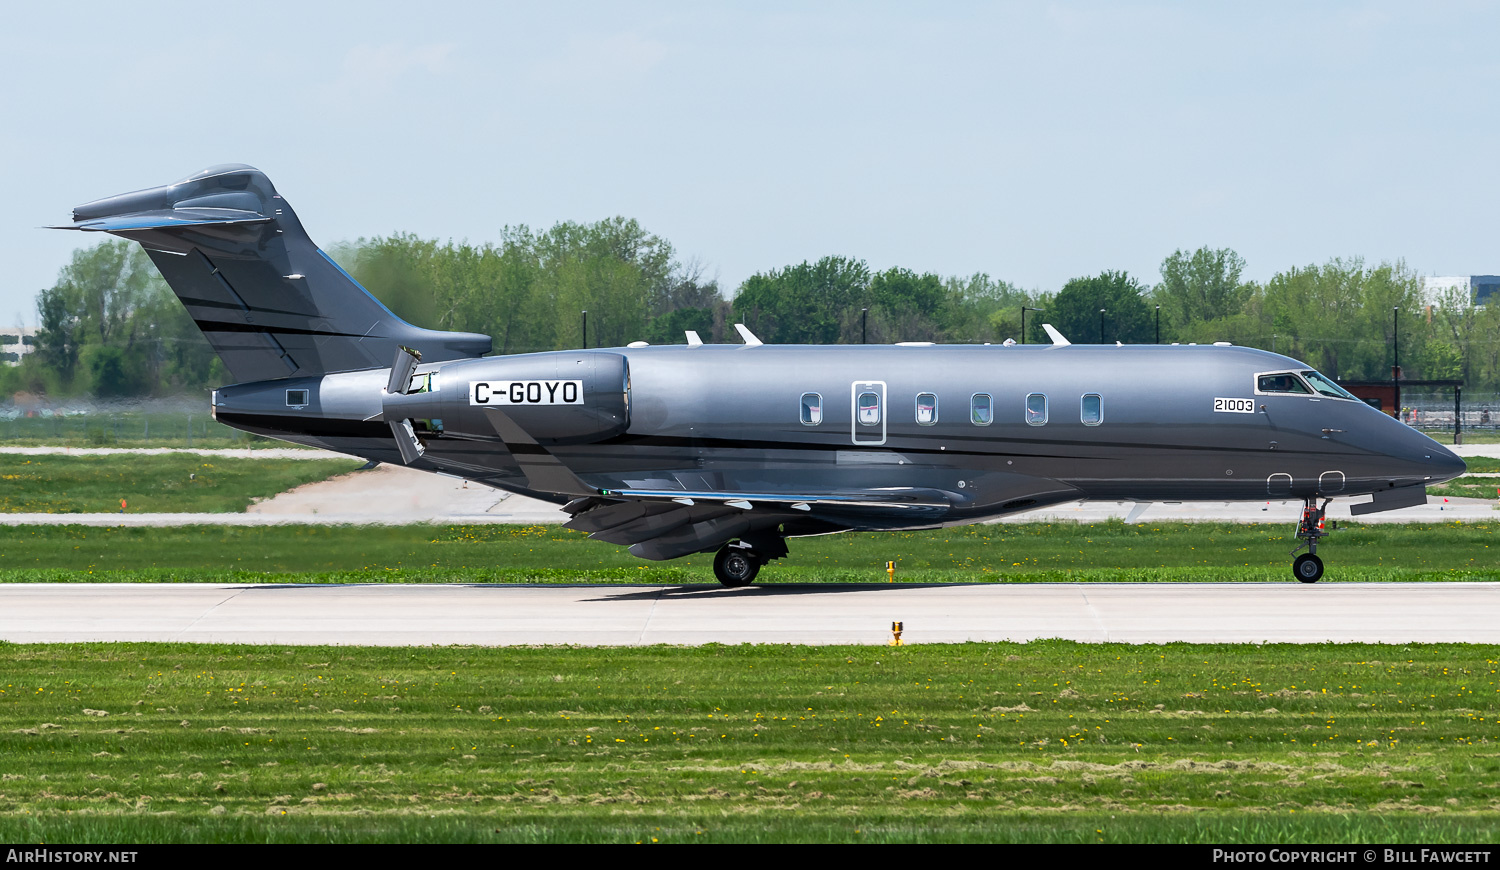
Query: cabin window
pixel 1092 410
pixel 296 398
pixel 1282 382
pixel 1036 409
pixel 981 409
pixel 869 409
pixel 812 409
pixel 926 409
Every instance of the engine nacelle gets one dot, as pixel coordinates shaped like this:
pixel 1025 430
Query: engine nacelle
pixel 558 398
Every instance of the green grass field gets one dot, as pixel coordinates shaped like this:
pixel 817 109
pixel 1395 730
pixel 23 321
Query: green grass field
pixel 151 483
pixel 127 428
pixel 1023 553
pixel 1471 436
pixel 1049 741
pixel 1468 487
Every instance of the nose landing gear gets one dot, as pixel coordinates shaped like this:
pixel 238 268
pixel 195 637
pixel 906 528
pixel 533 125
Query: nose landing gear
pixel 1307 567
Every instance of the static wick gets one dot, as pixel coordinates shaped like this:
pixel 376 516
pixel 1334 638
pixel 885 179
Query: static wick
pixel 896 634
pixel 890 571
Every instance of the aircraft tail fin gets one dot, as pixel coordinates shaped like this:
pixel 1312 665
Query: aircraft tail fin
pixel 270 302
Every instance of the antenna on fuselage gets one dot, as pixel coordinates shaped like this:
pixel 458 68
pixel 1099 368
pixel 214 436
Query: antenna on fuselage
pixel 692 337
pixel 1057 337
pixel 747 335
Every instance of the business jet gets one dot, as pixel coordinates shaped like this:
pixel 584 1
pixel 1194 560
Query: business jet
pixel 734 449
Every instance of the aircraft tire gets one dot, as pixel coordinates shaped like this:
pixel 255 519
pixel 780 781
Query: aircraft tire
pixel 736 567
pixel 1308 568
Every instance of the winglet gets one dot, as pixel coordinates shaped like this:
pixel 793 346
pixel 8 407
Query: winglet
pixel 747 335
pixel 692 338
pixel 1057 337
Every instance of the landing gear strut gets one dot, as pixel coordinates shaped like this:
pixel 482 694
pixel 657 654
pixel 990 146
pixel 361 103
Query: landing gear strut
pixel 1307 567
pixel 736 566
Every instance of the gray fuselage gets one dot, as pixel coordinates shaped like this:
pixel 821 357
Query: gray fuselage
pixel 729 419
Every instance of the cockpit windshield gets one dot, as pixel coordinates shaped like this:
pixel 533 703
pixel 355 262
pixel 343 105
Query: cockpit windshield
pixel 1281 382
pixel 1327 387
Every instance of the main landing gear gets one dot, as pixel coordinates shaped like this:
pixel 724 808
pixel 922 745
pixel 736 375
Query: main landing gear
pixel 1307 567
pixel 737 562
pixel 736 565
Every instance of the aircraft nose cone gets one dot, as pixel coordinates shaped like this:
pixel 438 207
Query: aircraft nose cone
pixel 1445 464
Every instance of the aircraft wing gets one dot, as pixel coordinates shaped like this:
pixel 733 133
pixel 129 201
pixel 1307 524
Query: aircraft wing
pixel 664 523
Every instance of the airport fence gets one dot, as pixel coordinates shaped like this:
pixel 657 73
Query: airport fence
pixel 1477 415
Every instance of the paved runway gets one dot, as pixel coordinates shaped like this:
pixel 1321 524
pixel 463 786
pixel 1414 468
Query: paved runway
pixel 392 615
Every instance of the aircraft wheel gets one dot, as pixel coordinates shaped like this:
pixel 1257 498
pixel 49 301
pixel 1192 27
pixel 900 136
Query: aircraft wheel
pixel 1308 568
pixel 736 567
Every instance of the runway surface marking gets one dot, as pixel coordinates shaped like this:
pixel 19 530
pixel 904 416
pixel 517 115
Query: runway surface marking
pixel 421 615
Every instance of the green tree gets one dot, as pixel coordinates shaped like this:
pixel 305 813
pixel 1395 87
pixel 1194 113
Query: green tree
pixel 670 328
pixel 112 326
pixel 980 309
pixel 1198 288
pixel 1341 317
pixel 1465 335
pixel 1074 311
pixel 811 303
pixel 528 291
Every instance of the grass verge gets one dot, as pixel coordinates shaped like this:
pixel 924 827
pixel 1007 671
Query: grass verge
pixel 1048 741
pixel 166 483
pixel 1037 552
pixel 1468 487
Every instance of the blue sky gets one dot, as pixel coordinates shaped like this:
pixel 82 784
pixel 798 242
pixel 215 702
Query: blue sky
pixel 1036 142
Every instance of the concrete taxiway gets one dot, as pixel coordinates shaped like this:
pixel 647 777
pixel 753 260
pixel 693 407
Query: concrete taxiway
pixel 399 615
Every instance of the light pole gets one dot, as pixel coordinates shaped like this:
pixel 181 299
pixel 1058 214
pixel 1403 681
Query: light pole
pixel 1158 324
pixel 864 322
pixel 1025 309
pixel 1396 357
pixel 1101 325
pixel 585 329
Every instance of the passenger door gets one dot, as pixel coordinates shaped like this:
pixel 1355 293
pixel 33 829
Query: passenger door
pixel 868 412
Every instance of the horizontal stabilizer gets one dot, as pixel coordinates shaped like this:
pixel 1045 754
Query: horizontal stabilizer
pixel 171 218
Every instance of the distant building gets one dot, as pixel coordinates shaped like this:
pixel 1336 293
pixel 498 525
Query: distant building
pixel 1479 287
pixel 16 342
pixel 1483 287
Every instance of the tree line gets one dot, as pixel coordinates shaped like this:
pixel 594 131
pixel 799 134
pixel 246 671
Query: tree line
pixel 111 327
